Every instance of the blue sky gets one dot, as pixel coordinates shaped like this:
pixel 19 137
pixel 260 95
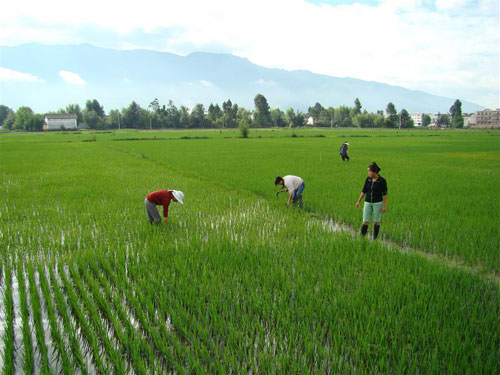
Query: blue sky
pixel 445 47
pixel 343 2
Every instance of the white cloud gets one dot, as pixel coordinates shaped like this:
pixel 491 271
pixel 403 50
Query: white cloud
pixel 206 83
pixel 9 75
pixel 450 4
pixel 447 47
pixel 263 82
pixel 72 78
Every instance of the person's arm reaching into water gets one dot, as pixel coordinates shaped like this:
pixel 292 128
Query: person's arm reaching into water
pixel 165 214
pixel 361 196
pixel 363 193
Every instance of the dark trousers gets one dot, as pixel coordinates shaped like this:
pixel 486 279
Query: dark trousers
pixel 344 157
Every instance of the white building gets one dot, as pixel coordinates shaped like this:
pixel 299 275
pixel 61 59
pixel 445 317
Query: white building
pixel 418 118
pixel 469 119
pixel 310 121
pixel 58 122
pixel 488 118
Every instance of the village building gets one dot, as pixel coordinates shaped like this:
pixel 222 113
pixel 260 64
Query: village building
pixel 60 122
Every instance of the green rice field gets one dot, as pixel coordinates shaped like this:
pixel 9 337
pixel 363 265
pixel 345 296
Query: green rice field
pixel 237 282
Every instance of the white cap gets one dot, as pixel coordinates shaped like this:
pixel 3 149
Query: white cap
pixel 347 143
pixel 178 195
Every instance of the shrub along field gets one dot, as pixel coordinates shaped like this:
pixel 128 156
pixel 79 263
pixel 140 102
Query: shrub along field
pixel 238 283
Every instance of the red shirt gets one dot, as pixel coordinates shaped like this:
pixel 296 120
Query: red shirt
pixel 161 198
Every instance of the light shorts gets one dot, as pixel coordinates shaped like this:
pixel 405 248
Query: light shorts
pixel 372 208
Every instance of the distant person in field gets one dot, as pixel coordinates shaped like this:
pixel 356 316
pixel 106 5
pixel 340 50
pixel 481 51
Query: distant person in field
pixel 294 185
pixel 343 151
pixel 375 194
pixel 161 198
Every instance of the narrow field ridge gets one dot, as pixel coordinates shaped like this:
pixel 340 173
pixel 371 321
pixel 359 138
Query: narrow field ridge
pixel 333 226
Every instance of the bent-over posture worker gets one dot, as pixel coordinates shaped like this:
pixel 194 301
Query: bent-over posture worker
pixel 375 193
pixel 295 187
pixel 161 198
pixel 343 151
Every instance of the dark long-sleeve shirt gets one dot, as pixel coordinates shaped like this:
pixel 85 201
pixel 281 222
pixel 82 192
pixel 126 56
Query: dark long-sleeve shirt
pixel 343 149
pixel 161 198
pixel 375 190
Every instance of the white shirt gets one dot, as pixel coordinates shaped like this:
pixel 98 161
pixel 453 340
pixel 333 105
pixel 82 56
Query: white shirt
pixel 292 183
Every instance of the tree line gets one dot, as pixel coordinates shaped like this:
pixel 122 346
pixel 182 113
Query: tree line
pixel 227 115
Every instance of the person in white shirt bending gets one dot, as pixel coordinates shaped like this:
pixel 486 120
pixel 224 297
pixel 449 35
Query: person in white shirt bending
pixel 295 187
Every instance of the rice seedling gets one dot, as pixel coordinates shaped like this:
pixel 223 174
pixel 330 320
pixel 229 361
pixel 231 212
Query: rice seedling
pixel 236 282
pixel 28 357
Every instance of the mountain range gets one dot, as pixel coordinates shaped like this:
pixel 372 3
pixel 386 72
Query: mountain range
pixel 55 76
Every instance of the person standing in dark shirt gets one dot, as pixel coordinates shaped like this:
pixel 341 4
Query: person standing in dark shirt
pixel 375 194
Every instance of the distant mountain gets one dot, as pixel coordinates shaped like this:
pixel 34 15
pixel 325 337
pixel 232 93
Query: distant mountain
pixel 116 77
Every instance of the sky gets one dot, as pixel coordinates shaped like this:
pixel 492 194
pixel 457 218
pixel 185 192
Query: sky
pixel 444 47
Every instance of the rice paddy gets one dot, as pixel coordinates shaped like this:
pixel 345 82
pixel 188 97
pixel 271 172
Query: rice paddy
pixel 238 283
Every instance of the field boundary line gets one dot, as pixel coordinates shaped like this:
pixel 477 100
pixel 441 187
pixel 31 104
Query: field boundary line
pixel 395 246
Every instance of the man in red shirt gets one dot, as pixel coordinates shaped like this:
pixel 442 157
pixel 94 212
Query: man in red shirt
pixel 161 198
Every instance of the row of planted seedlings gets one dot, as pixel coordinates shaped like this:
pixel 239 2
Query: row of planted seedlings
pixel 233 286
pixel 25 345
pixel 225 298
pixel 197 281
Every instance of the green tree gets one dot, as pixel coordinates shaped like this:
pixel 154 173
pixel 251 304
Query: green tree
pixel 329 114
pixel 365 120
pixel 215 115
pixel 244 114
pixel 262 113
pixel 132 116
pixel 93 120
pixel 23 118
pixel 294 119
pixel 392 120
pixel 93 114
pixel 405 119
pixel 184 118
pixel 244 128
pixel 290 117
pixel 380 121
pixel 426 120
pixel 357 107
pixel 300 119
pixel 114 118
pixel 443 120
pixel 9 121
pixel 94 105
pixel 316 111
pixel 230 112
pixel 4 112
pixel 277 117
pixel 198 118
pixel 457 120
pixel 74 109
pixel 342 116
pixel 154 110
pixel 172 115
